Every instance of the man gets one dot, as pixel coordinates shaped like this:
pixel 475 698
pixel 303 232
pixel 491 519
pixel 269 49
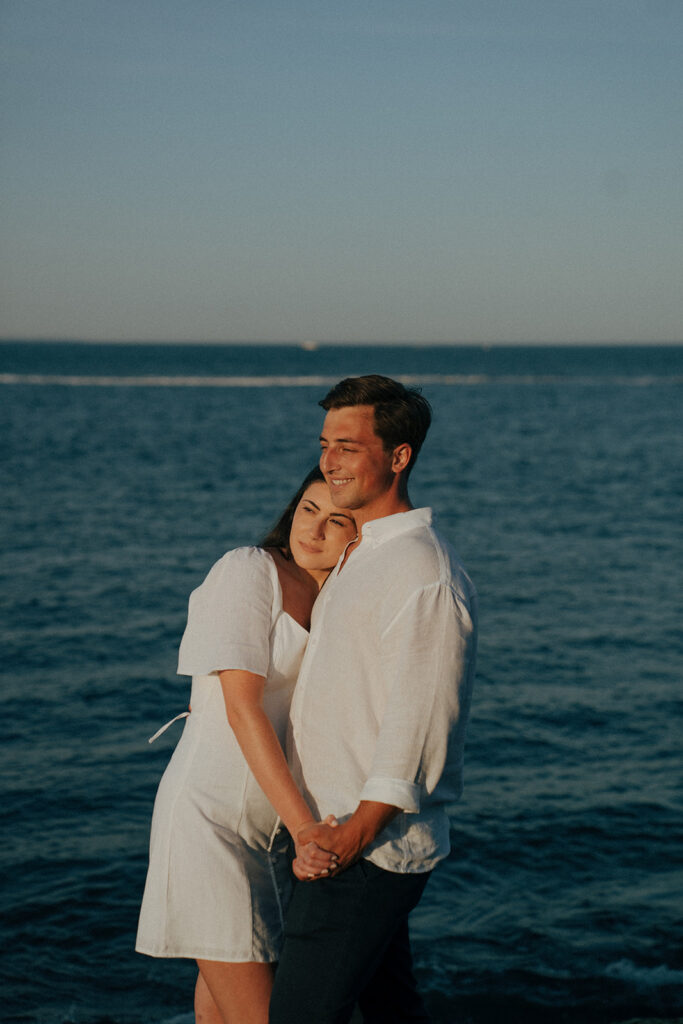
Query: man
pixel 378 719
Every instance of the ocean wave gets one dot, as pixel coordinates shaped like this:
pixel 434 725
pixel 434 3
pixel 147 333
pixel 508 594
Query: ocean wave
pixel 660 976
pixel 294 381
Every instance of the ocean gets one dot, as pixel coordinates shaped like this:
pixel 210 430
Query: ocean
pixel 127 470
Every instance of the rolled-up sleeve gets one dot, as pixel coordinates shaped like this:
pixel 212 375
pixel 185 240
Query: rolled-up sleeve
pixel 229 617
pixel 427 653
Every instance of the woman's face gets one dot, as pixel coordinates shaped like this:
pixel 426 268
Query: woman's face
pixel 320 531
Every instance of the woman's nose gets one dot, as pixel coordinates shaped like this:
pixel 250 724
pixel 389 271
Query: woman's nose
pixel 317 529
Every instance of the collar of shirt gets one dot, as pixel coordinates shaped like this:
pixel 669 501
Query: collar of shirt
pixel 377 531
pixel 388 527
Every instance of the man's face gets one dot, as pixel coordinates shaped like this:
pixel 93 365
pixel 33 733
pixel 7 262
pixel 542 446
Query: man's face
pixel 352 459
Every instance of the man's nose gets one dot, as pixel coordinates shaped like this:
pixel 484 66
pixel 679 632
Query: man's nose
pixel 328 460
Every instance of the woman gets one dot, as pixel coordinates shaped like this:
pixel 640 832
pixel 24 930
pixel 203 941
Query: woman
pixel 219 877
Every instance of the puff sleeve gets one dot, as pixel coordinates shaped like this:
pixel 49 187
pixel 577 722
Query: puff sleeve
pixel 229 616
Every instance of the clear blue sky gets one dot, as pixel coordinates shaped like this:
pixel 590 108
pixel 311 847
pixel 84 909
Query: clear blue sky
pixel 422 170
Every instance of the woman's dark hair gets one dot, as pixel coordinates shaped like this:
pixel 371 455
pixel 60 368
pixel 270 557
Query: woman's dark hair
pixel 278 535
pixel 402 415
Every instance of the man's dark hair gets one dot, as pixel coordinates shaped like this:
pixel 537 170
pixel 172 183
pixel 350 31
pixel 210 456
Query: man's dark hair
pixel 402 415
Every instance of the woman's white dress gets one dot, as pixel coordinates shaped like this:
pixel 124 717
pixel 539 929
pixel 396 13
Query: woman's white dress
pixel 219 878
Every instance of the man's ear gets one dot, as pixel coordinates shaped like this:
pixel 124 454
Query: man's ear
pixel 401 458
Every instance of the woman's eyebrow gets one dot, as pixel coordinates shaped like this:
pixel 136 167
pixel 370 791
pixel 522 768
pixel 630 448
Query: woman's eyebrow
pixel 333 515
pixel 342 515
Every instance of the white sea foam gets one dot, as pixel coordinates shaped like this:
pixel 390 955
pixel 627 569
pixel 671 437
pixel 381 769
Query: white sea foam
pixel 284 381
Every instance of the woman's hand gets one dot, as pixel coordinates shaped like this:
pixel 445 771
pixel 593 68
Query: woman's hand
pixel 312 861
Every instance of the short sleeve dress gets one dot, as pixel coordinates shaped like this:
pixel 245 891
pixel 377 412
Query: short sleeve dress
pixel 219 878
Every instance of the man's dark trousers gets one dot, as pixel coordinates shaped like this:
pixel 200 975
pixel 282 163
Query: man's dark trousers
pixel 346 941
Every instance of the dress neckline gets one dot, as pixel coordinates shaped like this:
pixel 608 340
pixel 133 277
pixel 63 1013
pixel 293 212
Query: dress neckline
pixel 278 592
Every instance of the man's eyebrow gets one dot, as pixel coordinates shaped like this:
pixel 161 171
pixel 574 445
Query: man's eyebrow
pixel 342 440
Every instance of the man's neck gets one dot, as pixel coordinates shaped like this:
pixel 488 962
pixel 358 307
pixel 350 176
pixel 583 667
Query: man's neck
pixel 380 510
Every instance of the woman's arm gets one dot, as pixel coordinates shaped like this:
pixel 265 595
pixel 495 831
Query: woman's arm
pixel 243 696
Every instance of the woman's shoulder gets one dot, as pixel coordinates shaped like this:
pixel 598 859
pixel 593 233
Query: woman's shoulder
pixel 249 564
pixel 230 613
pixel 249 554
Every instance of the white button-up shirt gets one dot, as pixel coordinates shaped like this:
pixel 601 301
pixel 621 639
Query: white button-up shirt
pixel 382 699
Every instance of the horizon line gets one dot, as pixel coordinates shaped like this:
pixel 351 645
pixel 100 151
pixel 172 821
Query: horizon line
pixel 314 344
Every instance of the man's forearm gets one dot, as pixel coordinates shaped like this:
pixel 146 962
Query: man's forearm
pixel 367 821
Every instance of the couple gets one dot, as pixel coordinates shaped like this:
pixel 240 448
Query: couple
pixel 373 730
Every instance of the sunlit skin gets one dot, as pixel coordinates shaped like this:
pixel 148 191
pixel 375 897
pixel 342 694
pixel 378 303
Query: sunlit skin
pixel 320 532
pixel 361 474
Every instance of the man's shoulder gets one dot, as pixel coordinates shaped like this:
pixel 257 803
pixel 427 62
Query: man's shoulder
pixel 423 557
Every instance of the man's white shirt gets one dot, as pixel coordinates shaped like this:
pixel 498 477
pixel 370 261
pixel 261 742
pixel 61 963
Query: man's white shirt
pixel 382 699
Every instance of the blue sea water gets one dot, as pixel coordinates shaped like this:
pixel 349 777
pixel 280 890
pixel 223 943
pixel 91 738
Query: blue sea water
pixel 556 472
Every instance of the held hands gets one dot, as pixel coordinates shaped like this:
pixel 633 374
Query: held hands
pixel 316 841
pixel 313 860
pixel 336 847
